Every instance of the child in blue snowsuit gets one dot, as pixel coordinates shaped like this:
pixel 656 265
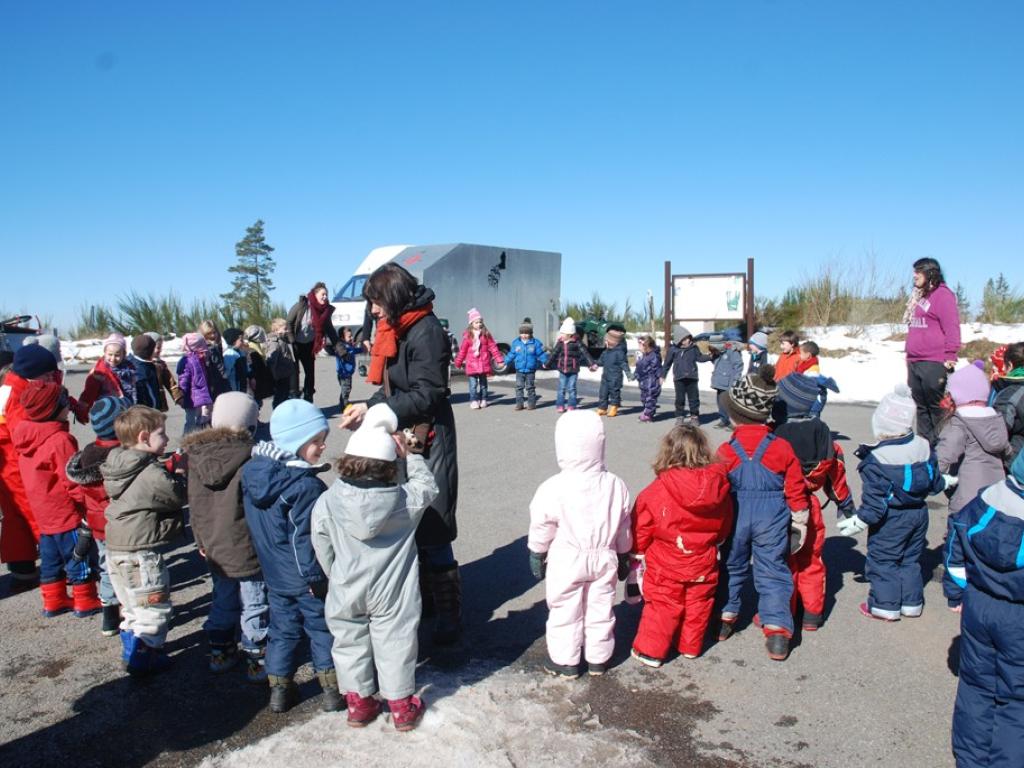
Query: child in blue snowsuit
pixel 528 354
pixel 898 473
pixel 613 361
pixel 648 376
pixel 682 361
pixel 279 488
pixel 345 366
pixel 985 570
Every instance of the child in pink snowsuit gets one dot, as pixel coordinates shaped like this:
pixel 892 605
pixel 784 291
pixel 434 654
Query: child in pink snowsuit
pixel 477 351
pixel 580 535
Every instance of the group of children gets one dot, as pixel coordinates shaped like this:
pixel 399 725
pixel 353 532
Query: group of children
pixel 288 557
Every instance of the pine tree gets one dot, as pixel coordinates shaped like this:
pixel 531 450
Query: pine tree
pixel 251 286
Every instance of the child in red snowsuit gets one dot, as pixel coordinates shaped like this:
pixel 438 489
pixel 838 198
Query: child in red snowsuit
pixel 679 521
pixel 824 468
pixel 44 444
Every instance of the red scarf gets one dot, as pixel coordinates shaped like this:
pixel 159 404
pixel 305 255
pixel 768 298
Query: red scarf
pixel 385 343
pixel 320 314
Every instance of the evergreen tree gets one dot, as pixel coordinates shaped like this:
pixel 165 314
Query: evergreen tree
pixel 251 285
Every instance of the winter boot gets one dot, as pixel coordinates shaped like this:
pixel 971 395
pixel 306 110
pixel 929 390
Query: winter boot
pixel 519 406
pixel 332 700
pixel 778 647
pixel 256 666
pixel 644 417
pixel 24 576
pixel 613 411
pixel 86 601
pixel 55 598
pixel 531 405
pixel 140 659
pixel 568 671
pixel 812 621
pixel 727 627
pixel 283 693
pixel 595 669
pixel 426 590
pixel 447 589
pixel 111 620
pixel 647 661
pixel 406 713
pixel 362 710
pixel 602 411
pixel 223 656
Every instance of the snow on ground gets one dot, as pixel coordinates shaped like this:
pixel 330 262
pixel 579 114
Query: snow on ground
pixel 475 717
pixel 873 365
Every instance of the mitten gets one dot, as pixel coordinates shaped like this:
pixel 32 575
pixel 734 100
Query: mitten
pixel 846 509
pixel 319 589
pixel 624 563
pixel 538 564
pixel 83 544
pixel 951 480
pixel 851 526
pixel 798 529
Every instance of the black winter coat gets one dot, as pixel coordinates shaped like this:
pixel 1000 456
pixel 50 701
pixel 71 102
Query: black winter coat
pixel 419 393
pixel 682 361
pixel 294 320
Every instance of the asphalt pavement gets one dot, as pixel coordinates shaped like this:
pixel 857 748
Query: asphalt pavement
pixel 856 693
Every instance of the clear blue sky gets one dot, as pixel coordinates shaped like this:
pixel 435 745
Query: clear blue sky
pixel 140 139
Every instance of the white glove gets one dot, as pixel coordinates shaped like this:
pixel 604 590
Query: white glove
pixel 798 530
pixel 951 480
pixel 851 526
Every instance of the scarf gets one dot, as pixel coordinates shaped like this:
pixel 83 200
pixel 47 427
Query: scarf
pixel 320 314
pixel 915 296
pixel 385 344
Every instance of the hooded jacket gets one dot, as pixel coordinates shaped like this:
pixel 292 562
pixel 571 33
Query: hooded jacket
pixel 278 493
pixel 527 355
pixel 682 361
pixel 44 448
pixel 569 355
pixel 280 357
pixel 148 389
pixel 364 537
pixel 680 520
pixel 215 460
pixel 895 474
pixel 613 361
pixel 83 469
pixel 584 508
pixel 103 381
pixel 1008 401
pixel 193 381
pixel 971 446
pixel 728 367
pixel 145 501
pixel 478 361
pixel 648 369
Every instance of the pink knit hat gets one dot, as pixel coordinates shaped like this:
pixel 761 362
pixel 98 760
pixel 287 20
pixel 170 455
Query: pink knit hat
pixel 115 340
pixel 194 342
pixel 474 314
pixel 970 384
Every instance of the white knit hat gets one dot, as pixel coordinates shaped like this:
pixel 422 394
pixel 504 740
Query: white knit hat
pixel 373 438
pixel 895 413
pixel 568 327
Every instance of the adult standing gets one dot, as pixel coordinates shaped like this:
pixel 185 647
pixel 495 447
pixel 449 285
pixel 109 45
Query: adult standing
pixel 411 356
pixel 309 329
pixel 933 341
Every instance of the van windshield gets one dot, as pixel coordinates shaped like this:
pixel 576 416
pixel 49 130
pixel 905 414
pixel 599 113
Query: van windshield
pixel 352 290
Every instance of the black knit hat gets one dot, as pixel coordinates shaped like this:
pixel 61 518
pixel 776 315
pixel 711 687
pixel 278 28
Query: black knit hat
pixel 231 336
pixel 753 397
pixel 32 361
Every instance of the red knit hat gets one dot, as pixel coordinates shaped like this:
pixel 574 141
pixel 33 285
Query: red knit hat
pixel 42 399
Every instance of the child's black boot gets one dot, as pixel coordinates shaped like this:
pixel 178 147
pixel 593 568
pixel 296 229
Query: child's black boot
pixel 332 700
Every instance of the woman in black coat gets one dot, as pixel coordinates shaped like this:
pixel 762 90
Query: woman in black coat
pixel 309 330
pixel 411 356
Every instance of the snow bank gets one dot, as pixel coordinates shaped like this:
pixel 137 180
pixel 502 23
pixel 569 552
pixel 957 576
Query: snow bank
pixel 478 716
pixel 91 350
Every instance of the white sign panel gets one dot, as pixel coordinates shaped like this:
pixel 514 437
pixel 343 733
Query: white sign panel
pixel 708 297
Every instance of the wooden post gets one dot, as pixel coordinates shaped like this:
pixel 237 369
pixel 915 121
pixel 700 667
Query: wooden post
pixel 668 309
pixel 749 309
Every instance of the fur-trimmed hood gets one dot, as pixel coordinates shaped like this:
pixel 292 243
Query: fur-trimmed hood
pixel 216 455
pixel 84 467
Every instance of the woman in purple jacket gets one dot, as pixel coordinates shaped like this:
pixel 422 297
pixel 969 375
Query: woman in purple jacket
pixel 933 341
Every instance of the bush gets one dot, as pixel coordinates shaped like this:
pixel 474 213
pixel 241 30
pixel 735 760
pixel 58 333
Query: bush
pixel 979 349
pixel 1000 303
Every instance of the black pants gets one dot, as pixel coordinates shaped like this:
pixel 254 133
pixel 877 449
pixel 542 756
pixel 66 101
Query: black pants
pixel 304 357
pixel 927 382
pixel 686 389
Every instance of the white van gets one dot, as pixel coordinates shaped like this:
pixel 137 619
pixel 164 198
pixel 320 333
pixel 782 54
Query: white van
pixel 349 304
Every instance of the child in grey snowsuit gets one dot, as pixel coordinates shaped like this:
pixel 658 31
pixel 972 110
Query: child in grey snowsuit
pixel 364 534
pixel 613 360
pixel 727 371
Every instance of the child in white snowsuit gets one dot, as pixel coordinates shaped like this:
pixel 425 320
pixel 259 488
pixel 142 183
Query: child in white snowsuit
pixel 364 530
pixel 580 536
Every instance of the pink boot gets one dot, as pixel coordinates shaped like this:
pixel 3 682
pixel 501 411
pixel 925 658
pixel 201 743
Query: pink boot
pixel 362 710
pixel 407 713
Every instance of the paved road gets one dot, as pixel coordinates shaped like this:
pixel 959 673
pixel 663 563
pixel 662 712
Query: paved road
pixel 855 693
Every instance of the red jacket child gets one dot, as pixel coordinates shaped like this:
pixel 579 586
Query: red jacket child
pixel 679 521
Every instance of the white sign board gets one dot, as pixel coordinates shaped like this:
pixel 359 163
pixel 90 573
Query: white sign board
pixel 708 297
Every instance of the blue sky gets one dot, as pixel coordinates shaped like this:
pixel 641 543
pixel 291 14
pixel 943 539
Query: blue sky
pixel 140 139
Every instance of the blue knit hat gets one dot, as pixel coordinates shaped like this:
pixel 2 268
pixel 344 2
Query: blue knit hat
pixel 32 361
pixel 294 423
pixel 759 339
pixel 103 413
pixel 804 395
pixel 1017 468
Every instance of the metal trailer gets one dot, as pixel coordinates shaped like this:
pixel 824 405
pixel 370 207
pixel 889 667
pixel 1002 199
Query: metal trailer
pixel 505 284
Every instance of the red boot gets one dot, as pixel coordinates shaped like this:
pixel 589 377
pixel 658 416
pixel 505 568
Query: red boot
pixel 406 713
pixel 362 710
pixel 86 601
pixel 55 598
